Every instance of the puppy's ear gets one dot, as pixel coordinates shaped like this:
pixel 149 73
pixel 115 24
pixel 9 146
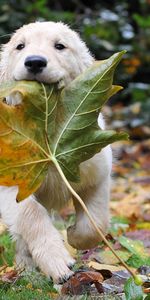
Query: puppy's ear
pixel 85 57
pixel 86 60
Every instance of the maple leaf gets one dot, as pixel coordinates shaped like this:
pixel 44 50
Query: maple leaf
pixel 53 126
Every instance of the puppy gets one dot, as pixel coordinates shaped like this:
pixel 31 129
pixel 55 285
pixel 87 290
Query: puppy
pixel 51 52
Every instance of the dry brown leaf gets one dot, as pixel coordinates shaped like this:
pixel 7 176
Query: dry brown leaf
pixel 78 283
pixel 10 276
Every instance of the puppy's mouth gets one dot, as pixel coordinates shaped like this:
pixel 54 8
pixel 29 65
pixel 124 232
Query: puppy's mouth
pixel 16 97
pixel 41 79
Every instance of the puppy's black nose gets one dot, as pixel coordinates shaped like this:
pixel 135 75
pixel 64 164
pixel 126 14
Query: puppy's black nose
pixel 35 64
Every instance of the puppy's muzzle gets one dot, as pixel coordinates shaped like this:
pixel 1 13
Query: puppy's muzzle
pixel 35 64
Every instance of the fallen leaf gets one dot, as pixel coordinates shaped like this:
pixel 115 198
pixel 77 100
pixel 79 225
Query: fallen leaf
pixel 136 261
pixel 79 283
pixel 107 257
pixel 139 255
pixel 134 246
pixel 9 277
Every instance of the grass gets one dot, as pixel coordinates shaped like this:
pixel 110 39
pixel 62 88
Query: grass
pixel 7 250
pixel 30 286
pixel 24 294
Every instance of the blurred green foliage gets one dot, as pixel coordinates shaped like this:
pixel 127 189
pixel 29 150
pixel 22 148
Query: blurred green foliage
pixel 106 26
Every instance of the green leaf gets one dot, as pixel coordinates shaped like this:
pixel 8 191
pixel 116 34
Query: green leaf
pixel 137 261
pixel 107 257
pixel 133 291
pixel 54 127
pixel 136 247
pixel 139 255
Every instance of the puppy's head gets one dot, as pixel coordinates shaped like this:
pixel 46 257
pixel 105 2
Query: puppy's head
pixel 47 52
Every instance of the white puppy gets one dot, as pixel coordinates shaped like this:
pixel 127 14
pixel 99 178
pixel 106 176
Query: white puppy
pixel 52 52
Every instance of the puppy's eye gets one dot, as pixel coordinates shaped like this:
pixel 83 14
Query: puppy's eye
pixel 59 46
pixel 20 46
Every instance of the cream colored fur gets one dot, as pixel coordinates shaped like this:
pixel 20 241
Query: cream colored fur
pixel 37 241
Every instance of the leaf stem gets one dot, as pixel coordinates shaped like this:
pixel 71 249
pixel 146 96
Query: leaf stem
pixel 99 231
pixel 46 104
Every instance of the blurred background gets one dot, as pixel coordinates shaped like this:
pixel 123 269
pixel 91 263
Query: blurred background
pixel 107 27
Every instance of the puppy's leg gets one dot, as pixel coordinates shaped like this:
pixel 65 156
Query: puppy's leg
pixel 95 194
pixel 30 220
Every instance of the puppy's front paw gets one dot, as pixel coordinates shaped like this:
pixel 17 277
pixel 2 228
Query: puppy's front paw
pixel 54 261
